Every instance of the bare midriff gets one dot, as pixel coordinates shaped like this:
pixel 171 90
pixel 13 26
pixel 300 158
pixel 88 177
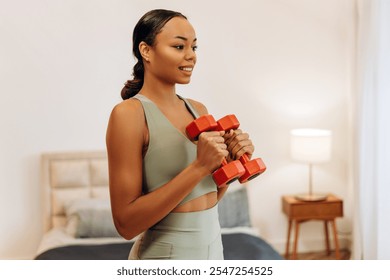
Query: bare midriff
pixel 198 204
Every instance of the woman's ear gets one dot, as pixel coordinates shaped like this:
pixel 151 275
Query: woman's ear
pixel 144 49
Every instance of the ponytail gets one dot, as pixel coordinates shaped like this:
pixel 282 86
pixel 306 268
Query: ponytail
pixel 132 87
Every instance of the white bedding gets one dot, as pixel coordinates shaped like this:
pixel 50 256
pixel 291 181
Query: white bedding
pixel 58 237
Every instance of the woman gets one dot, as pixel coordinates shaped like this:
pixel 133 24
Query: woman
pixel 160 182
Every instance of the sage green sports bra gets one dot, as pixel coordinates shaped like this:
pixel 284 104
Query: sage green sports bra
pixel 169 151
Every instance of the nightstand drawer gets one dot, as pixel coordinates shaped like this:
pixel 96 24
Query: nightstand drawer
pixel 330 208
pixel 313 211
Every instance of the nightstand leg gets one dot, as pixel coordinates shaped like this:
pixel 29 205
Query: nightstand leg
pixel 327 237
pixel 294 255
pixel 288 239
pixel 336 241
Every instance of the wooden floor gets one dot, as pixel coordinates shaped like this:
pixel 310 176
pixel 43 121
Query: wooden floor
pixel 345 255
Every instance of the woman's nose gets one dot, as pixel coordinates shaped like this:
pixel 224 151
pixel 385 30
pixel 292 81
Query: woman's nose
pixel 190 55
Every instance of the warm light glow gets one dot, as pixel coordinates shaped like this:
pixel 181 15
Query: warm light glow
pixel 311 145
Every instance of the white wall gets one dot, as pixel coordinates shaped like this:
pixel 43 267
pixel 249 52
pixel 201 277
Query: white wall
pixel 276 64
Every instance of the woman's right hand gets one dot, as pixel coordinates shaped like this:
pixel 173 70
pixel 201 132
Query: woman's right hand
pixel 211 150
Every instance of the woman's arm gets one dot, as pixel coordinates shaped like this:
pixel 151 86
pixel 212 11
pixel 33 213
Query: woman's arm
pixel 134 212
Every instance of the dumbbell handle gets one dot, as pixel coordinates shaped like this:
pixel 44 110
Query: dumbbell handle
pixel 244 158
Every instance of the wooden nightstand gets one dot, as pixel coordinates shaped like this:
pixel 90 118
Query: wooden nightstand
pixel 301 211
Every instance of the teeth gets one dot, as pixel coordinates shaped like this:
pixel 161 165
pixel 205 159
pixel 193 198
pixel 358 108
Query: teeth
pixel 188 69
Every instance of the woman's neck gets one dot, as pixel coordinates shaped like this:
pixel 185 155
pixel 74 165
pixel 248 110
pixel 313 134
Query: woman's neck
pixel 160 93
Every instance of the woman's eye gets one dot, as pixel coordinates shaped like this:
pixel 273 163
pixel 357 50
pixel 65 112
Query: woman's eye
pixel 181 47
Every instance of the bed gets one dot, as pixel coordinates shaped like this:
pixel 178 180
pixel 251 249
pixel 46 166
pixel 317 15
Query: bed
pixel 78 222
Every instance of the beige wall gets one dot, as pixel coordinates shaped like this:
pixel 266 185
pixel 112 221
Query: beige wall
pixel 277 65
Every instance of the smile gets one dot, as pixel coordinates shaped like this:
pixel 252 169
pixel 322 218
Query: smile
pixel 187 69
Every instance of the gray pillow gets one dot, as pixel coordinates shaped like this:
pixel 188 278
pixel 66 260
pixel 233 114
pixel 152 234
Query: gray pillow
pixel 233 209
pixel 93 217
pixel 90 218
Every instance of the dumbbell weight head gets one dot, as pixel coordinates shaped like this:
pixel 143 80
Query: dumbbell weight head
pixel 253 168
pixel 227 122
pixel 201 124
pixel 228 173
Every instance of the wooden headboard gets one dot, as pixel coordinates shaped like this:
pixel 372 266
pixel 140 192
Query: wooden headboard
pixel 71 175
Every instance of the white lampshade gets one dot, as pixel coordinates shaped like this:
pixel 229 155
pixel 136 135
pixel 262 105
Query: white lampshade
pixel 311 145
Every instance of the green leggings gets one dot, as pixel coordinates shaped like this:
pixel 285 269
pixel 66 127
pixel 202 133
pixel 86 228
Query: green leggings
pixel 182 236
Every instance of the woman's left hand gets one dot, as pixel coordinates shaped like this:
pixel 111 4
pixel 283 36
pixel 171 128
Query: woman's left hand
pixel 238 143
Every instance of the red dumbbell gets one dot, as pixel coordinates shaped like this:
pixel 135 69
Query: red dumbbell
pixel 254 167
pixel 228 172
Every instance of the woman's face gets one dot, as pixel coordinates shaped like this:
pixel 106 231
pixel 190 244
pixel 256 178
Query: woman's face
pixel 172 58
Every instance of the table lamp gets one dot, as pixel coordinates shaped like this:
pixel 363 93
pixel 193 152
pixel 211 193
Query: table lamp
pixel 311 146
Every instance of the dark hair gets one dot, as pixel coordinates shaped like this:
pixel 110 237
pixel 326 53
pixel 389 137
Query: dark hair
pixel 145 30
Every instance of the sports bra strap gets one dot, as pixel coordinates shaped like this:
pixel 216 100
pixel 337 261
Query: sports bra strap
pixel 190 108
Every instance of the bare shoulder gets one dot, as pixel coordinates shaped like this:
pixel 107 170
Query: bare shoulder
pixel 128 115
pixel 200 107
pixel 126 108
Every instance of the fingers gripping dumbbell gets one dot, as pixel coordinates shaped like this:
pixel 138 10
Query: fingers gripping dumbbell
pixel 254 167
pixel 228 172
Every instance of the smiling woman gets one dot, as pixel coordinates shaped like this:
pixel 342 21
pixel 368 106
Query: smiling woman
pixel 164 37
pixel 174 50
pixel 161 186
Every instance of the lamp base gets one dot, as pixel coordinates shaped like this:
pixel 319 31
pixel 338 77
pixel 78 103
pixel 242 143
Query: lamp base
pixel 311 197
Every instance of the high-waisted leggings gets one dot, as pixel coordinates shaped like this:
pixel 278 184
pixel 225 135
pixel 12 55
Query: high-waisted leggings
pixel 182 236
